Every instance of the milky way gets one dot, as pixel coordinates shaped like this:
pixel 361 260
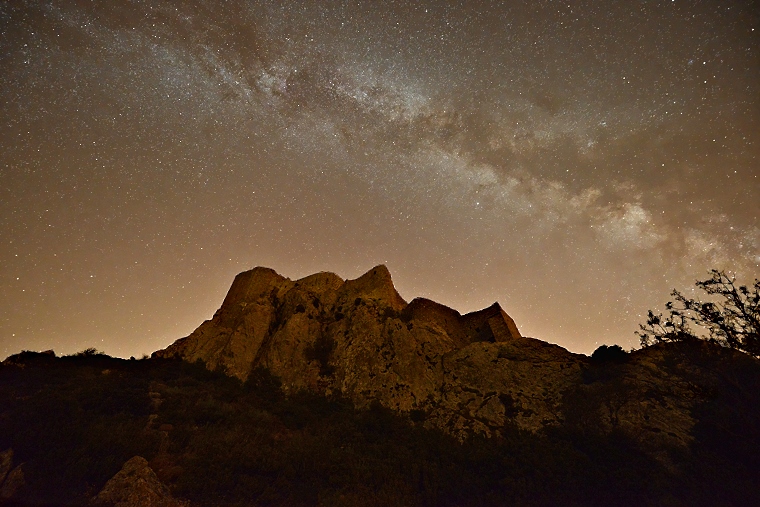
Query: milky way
pixel 573 161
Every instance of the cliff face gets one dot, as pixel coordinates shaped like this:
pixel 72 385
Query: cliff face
pixel 359 338
pixel 136 485
pixel 466 374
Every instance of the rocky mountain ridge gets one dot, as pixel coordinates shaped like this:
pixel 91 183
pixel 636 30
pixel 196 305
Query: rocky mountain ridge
pixel 360 339
pixel 465 374
pixel 324 391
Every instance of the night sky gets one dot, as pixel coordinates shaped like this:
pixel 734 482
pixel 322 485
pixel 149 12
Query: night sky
pixel 574 161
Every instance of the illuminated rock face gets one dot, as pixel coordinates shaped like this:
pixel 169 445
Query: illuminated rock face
pixel 467 374
pixel 359 338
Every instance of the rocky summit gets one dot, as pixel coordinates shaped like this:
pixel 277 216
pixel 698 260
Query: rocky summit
pixel 360 339
pixel 323 391
pixel 464 374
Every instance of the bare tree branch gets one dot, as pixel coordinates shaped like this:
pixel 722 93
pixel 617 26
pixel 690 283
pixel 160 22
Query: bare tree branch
pixel 733 320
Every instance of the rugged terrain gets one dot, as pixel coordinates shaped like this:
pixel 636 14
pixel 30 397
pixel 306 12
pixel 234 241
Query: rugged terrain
pixel 323 391
pixel 360 339
pixel 468 374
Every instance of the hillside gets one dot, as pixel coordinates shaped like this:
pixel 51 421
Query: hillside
pixel 323 391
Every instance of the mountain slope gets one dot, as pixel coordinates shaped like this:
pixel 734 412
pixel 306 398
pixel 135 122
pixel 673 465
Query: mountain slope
pixel 360 339
pixel 324 391
pixel 465 374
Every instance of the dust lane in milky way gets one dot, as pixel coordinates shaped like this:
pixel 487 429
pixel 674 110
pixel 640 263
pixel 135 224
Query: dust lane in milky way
pixel 574 161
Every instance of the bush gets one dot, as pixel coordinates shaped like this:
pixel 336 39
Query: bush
pixel 612 353
pixel 732 320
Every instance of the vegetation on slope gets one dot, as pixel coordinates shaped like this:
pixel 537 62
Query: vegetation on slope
pixel 731 318
pixel 73 422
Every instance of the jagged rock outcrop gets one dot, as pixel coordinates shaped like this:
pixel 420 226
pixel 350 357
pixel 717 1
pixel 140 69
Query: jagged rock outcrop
pixel 359 338
pixel 467 374
pixel 136 485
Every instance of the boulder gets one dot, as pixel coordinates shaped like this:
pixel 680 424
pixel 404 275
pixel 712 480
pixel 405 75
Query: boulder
pixel 13 482
pixel 136 485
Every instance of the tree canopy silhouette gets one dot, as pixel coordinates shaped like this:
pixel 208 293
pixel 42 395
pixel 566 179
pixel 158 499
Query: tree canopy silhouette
pixel 731 319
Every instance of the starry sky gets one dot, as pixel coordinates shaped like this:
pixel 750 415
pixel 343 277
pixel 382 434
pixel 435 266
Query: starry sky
pixel 575 161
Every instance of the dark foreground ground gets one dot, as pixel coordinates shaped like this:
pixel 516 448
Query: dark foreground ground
pixel 74 421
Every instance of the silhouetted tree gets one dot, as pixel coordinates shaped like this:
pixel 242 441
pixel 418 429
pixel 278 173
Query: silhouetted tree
pixel 733 320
